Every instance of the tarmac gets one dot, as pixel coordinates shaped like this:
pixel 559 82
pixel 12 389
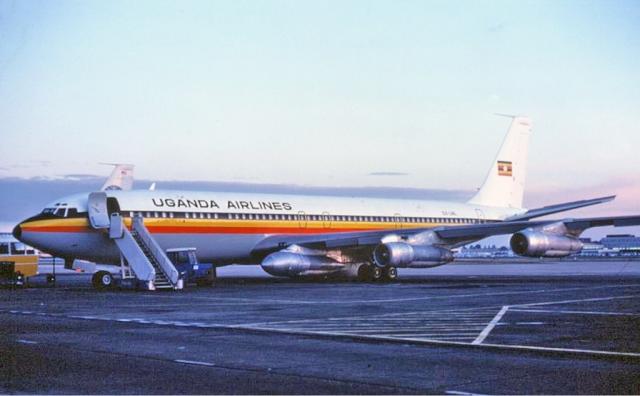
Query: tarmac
pixel 465 328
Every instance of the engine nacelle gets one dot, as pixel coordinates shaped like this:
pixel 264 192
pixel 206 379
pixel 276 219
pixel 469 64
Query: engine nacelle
pixel 533 243
pixel 404 255
pixel 285 263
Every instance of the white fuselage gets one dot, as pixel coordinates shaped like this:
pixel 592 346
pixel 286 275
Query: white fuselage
pixel 225 227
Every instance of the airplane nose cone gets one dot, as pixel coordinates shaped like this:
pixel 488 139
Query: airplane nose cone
pixel 17 232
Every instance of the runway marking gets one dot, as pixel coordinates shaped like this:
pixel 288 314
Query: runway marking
pixel 424 341
pixel 26 342
pixel 576 301
pixel 445 341
pixel 194 362
pixel 575 312
pixel 453 392
pixel 457 309
pixel 491 325
pixel 434 297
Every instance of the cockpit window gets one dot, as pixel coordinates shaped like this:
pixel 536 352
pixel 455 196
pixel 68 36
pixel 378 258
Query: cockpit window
pixel 61 212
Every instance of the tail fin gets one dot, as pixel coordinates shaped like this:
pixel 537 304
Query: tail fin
pixel 504 185
pixel 121 178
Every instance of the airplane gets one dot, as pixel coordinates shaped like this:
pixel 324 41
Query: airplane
pixel 295 235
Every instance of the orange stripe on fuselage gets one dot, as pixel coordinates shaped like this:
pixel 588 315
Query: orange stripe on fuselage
pixel 206 226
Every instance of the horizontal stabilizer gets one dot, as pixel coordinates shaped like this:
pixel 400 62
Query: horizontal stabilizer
pixel 547 210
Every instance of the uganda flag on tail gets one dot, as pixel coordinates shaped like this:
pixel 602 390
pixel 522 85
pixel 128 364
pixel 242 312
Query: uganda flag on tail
pixel 505 168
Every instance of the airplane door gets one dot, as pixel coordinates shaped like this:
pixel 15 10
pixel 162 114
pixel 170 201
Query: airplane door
pixel 98 213
pixel 302 219
pixel 397 220
pixel 326 220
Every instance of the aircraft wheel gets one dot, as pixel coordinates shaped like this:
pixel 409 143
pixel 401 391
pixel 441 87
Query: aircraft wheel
pixel 376 273
pixel 363 273
pixel 390 274
pixel 102 280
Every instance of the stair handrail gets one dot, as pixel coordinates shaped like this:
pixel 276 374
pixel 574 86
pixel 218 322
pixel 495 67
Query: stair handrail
pixel 165 264
pixel 132 252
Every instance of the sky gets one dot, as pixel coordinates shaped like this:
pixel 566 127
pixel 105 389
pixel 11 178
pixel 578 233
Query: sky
pixel 393 95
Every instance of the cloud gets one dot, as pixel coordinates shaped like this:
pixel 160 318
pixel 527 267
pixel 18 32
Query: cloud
pixel 388 174
pixel 81 176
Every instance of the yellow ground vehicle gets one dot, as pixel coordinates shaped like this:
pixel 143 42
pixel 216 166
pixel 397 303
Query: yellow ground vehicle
pixel 18 261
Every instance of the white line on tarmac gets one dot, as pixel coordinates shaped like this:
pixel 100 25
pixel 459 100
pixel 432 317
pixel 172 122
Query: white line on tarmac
pixel 453 392
pixel 576 301
pixel 194 362
pixel 458 343
pixel 490 326
pixel 400 334
pixel 414 340
pixel 26 342
pixel 574 312
pixel 435 297
pixel 450 310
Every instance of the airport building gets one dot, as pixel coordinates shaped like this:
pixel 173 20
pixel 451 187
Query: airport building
pixel 622 242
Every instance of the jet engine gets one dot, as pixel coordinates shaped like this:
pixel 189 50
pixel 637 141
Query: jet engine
pixel 533 243
pixel 404 255
pixel 285 263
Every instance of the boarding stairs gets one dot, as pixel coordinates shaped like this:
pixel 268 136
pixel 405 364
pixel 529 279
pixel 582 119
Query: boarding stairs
pixel 142 259
pixel 146 259
pixel 161 281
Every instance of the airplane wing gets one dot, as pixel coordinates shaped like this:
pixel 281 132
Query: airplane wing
pixel 448 235
pixel 121 178
pixel 551 209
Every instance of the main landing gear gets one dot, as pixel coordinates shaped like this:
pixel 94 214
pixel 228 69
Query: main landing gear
pixel 372 273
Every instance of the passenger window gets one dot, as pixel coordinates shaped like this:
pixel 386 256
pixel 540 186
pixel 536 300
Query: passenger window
pixel 4 248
